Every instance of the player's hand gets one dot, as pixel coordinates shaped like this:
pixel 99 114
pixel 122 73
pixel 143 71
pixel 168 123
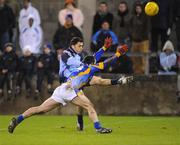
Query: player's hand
pixel 122 49
pixel 125 80
pixel 108 42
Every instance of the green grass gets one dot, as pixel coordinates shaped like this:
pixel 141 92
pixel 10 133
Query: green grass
pixel 61 130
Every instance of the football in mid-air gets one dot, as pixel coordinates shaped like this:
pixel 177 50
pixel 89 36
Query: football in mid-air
pixel 151 9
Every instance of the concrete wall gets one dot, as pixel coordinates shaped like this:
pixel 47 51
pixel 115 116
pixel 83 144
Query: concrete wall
pixel 151 95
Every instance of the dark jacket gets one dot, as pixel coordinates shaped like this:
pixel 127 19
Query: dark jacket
pixel 9 61
pixel 27 64
pixel 139 27
pixel 7 19
pixel 99 19
pixel 47 60
pixel 64 35
pixel 176 7
pixel 164 19
pixel 121 25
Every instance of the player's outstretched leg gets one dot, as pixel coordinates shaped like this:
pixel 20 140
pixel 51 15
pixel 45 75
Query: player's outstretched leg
pixel 84 102
pixel 46 106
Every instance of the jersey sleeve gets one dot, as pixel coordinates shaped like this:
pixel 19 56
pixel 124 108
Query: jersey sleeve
pixel 103 65
pixel 99 53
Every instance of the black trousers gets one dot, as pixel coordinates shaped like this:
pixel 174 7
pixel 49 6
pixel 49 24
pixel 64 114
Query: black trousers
pixel 27 77
pixel 155 33
pixel 8 79
pixel 41 74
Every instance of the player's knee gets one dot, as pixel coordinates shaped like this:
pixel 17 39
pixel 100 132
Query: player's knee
pixel 90 107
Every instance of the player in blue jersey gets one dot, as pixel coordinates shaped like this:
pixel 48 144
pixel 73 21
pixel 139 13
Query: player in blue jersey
pixel 70 92
pixel 71 61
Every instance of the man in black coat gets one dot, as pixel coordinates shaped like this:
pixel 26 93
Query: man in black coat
pixel 161 23
pixel 8 65
pixel 101 16
pixel 7 22
pixel 65 33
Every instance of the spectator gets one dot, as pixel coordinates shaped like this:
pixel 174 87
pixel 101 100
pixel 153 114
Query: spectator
pixel 65 33
pixel 139 26
pixel 14 4
pixel 100 36
pixel 70 9
pixel 168 60
pixel 31 35
pixel 177 21
pixel 26 69
pixel 121 24
pixel 161 24
pixel 24 15
pixel 101 16
pixel 8 65
pixel 7 22
pixel 45 68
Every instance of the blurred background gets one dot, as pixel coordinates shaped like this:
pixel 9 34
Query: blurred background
pixel 29 27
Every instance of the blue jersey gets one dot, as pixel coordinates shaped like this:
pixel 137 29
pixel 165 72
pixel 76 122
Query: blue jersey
pixel 81 78
pixel 71 62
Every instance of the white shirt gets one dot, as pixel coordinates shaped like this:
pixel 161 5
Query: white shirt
pixel 24 14
pixel 78 17
pixel 167 61
pixel 31 36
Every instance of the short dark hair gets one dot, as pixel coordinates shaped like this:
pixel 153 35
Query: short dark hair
pixel 103 3
pixel 89 60
pixel 123 2
pixel 75 40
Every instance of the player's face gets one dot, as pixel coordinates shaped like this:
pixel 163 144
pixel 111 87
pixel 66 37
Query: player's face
pixel 78 47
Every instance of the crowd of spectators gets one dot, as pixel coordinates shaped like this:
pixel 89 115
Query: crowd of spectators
pixel 126 26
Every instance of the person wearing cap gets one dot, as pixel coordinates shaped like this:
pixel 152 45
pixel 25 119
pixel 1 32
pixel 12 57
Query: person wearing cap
pixel 26 69
pixel 65 33
pixel 27 10
pixel 168 60
pixel 8 65
pixel 45 68
pixel 31 35
pixel 70 8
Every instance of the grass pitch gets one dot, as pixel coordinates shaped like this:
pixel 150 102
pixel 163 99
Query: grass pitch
pixel 61 130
